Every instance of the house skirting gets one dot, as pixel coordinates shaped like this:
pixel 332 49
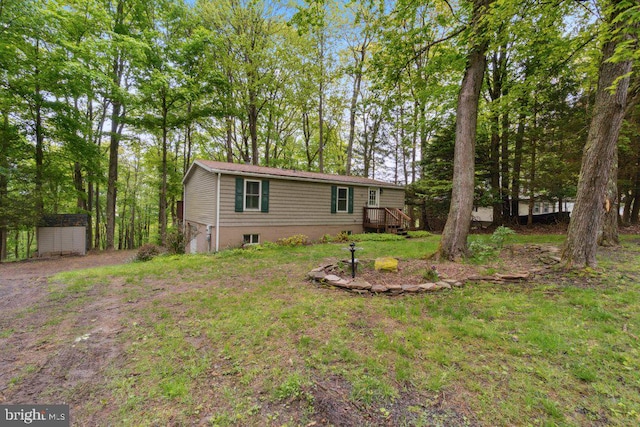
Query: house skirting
pixel 203 238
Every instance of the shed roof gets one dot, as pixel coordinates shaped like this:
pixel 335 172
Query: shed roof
pixel 295 175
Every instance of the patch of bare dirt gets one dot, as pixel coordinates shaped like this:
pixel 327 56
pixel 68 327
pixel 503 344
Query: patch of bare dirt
pixel 40 355
pixel 15 276
pixel 333 406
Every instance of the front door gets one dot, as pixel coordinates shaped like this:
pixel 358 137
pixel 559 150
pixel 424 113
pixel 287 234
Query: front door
pixel 374 198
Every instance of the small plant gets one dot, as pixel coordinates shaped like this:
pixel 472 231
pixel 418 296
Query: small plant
pixel 501 236
pixel 431 274
pixel 342 237
pixel 291 387
pixel 148 252
pixel 327 238
pixel 176 241
pixel 481 252
pixel 295 240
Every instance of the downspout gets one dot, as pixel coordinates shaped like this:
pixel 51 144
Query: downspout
pixel 218 212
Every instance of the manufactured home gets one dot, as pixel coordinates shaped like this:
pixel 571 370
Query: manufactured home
pixel 543 212
pixel 229 205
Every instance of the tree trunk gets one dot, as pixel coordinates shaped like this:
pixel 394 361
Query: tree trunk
pixel 4 182
pixel 504 167
pixel 253 126
pixel 89 215
pixel 132 221
pixel 162 208
pixel 357 80
pixel 112 179
pixel 3 243
pixel 97 236
pixel 453 244
pixel 609 234
pixel 321 107
pixel 114 143
pixel 39 178
pixel 81 195
pixel 494 170
pixel 609 108
pixel 517 167
pixel 187 142
pixel 122 226
pixel 634 199
pixel 532 175
pixel 495 93
pixel 635 209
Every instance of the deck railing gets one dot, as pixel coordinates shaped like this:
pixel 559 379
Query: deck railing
pixel 385 219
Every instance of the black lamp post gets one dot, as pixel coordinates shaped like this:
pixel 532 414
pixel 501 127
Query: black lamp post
pixel 352 248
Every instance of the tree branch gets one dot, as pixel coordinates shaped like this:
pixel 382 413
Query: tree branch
pixel 425 48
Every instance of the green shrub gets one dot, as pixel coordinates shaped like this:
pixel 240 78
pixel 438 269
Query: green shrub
pixel 343 237
pixel 148 252
pixel 176 241
pixel 327 238
pixel 295 240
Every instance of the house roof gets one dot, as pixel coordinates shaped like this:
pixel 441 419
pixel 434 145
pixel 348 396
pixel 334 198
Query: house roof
pixel 295 175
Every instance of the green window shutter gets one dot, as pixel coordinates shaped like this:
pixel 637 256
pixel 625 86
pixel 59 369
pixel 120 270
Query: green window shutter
pixel 239 194
pixel 334 199
pixel 265 196
pixel 351 191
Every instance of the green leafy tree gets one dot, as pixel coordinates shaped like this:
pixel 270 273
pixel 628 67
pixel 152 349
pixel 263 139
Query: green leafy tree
pixel 609 110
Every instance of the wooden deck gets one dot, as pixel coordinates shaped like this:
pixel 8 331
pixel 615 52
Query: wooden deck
pixel 386 220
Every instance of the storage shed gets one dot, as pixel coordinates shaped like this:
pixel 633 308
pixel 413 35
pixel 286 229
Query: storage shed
pixel 62 235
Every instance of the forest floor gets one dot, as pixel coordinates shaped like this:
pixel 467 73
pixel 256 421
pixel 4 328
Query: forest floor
pixel 241 338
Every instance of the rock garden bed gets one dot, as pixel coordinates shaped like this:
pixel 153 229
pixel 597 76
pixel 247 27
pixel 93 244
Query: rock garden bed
pixel 515 264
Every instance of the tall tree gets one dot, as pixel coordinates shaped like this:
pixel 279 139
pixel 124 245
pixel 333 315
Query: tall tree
pixel 453 244
pixel 126 46
pixel 608 113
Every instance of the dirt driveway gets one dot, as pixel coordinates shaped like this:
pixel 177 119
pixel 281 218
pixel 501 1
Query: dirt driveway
pixel 41 361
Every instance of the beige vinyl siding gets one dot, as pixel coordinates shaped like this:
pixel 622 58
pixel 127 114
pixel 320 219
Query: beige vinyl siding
pixel 200 197
pixel 292 203
pixel 392 198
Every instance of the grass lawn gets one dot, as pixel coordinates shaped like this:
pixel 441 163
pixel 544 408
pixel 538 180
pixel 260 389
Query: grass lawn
pixel 240 338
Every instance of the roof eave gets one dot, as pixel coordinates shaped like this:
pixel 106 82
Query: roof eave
pixel 304 179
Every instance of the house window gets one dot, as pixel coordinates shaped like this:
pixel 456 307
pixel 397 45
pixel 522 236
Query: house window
pixel 250 239
pixel 252 195
pixel 343 199
pixel 373 198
